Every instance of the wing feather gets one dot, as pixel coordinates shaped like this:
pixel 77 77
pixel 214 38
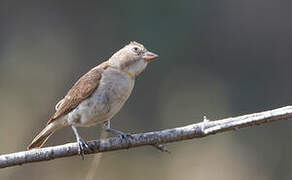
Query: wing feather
pixel 81 90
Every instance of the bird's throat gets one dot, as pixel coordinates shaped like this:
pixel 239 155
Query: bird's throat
pixel 130 75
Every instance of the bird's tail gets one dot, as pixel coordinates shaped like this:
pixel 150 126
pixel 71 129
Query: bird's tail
pixel 44 135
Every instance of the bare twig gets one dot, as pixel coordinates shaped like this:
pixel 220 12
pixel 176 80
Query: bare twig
pixel 198 130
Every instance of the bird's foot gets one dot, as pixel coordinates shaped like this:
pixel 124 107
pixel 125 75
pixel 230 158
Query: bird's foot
pixel 120 134
pixel 83 146
pixel 125 136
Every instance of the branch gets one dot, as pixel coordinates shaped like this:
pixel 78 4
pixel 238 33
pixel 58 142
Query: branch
pixel 198 130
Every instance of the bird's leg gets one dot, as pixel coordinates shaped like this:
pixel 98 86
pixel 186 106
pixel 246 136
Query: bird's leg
pixel 107 127
pixel 81 142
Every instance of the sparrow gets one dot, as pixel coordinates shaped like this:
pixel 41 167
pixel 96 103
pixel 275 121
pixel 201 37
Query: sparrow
pixel 98 95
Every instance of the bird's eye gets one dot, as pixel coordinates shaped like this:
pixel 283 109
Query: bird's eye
pixel 135 49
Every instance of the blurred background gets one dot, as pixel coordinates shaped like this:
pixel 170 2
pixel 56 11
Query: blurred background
pixel 217 59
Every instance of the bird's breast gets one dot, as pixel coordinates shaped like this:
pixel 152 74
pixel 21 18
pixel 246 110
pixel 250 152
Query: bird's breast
pixel 117 85
pixel 116 88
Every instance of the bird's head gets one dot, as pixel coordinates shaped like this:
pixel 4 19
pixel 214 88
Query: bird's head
pixel 132 59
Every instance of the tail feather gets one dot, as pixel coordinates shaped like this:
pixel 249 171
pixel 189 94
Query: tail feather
pixel 44 135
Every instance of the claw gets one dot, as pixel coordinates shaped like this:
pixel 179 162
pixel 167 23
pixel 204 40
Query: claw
pixel 125 136
pixel 83 146
pixel 118 133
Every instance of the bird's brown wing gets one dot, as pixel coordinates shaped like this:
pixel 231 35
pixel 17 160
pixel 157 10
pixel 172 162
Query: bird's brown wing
pixel 81 90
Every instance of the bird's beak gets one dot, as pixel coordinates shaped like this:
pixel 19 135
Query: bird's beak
pixel 148 56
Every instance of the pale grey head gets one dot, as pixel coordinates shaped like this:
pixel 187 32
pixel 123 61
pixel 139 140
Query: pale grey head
pixel 133 58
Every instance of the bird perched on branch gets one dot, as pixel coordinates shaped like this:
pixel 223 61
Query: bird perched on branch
pixel 98 95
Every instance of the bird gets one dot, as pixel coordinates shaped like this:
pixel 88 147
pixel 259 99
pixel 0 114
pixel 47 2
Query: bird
pixel 98 95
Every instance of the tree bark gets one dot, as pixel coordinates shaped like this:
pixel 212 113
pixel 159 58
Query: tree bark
pixel 155 138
